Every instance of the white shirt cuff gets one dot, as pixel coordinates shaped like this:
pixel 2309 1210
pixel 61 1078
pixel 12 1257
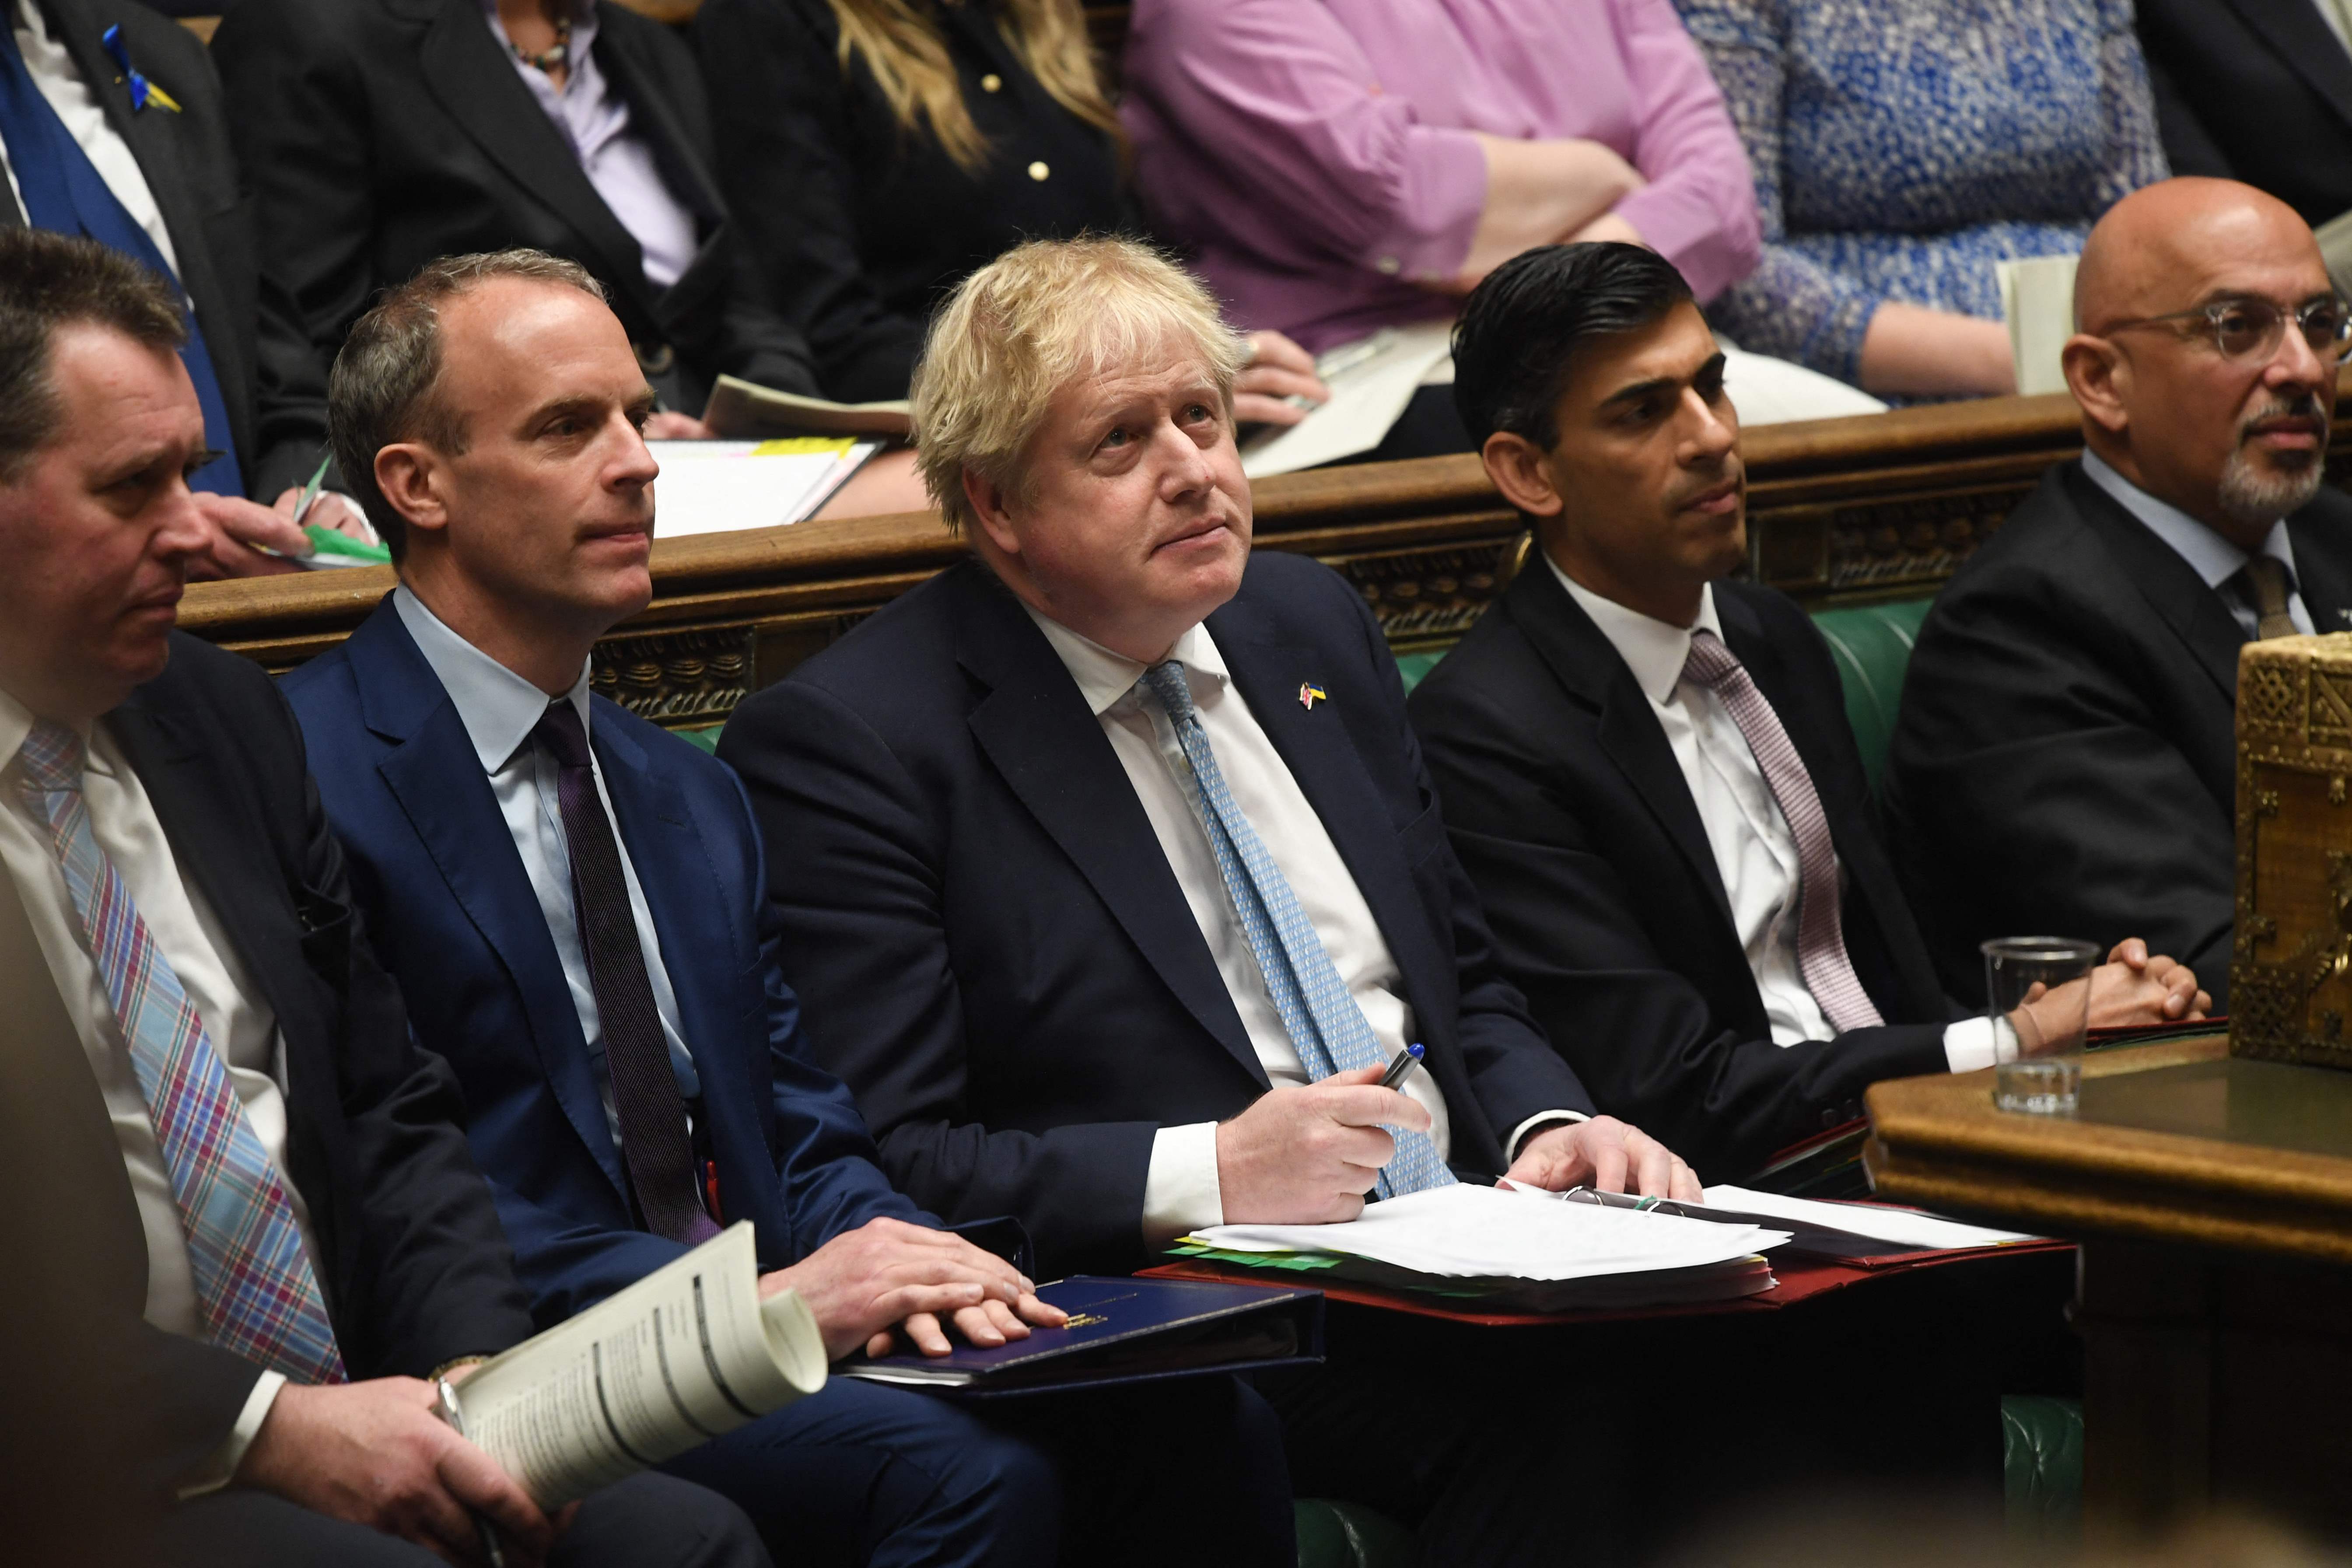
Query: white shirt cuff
pixel 1535 1124
pixel 1179 1190
pixel 1973 1044
pixel 217 1470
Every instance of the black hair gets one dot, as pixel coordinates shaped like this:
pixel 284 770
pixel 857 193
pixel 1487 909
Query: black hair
pixel 50 281
pixel 1520 329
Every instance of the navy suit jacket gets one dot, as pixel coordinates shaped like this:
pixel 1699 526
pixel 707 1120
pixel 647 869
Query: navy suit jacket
pixel 436 873
pixel 988 938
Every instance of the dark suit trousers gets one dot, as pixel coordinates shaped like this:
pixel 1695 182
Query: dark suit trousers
pixel 865 1474
pixel 645 1521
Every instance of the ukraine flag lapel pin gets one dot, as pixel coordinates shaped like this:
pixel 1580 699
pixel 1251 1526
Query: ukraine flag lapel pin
pixel 1309 694
pixel 143 91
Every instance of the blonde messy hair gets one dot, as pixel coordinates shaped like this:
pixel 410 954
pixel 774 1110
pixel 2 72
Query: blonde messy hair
pixel 902 45
pixel 1040 316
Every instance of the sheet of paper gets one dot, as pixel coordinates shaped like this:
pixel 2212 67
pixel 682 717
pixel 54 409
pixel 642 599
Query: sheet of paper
pixel 2037 295
pixel 1367 397
pixel 1474 1232
pixel 743 408
pixel 1906 1228
pixel 716 487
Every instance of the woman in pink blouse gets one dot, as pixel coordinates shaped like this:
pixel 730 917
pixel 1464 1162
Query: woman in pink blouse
pixel 1341 166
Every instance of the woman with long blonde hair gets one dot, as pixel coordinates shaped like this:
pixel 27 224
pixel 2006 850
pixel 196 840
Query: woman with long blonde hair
pixel 876 151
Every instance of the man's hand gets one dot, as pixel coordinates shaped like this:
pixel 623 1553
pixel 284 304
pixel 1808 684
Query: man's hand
pixel 2131 988
pixel 375 1454
pixel 888 1274
pixel 1603 1154
pixel 1307 1155
pixel 1278 370
pixel 240 531
pixel 2181 998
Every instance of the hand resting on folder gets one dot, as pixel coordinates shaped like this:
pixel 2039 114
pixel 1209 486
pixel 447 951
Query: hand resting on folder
pixel 1306 1154
pixel 888 1275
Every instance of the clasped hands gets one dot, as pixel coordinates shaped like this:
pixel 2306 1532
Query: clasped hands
pixel 1306 1154
pixel 2133 987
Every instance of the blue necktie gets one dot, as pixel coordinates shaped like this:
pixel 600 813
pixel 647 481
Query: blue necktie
pixel 1322 1020
pixel 63 191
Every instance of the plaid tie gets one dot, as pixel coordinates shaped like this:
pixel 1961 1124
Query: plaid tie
pixel 1322 1020
pixel 260 1298
pixel 1820 934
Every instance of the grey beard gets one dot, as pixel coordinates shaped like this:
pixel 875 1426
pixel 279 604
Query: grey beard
pixel 2250 497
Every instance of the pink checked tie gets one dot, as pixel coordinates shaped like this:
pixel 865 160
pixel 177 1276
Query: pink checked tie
pixel 253 1278
pixel 1820 937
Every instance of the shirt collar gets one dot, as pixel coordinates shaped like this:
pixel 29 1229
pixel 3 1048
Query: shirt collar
pixel 2210 556
pixel 498 708
pixel 1654 650
pixel 1105 678
pixel 16 722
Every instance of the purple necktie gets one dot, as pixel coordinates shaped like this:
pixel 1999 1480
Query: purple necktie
pixel 1821 936
pixel 654 1141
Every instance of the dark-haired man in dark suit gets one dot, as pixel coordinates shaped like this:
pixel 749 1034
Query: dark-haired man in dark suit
pixel 283 1235
pixel 2066 757
pixel 1645 768
pixel 114 125
pixel 382 134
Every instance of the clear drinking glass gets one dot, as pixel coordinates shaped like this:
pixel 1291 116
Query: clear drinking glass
pixel 2040 987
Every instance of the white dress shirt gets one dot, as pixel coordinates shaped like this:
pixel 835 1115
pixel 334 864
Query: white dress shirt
pixel 1755 852
pixel 1181 1191
pixel 499 710
pixel 2212 557
pixel 77 104
pixel 239 1022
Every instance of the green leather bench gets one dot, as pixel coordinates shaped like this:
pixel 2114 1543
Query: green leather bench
pixel 1871 644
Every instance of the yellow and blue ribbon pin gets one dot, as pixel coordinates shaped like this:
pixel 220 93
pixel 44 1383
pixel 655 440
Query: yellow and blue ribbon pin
pixel 143 91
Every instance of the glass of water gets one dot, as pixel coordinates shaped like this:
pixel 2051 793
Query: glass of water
pixel 2039 986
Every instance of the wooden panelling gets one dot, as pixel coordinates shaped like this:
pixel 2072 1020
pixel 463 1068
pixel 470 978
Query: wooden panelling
pixel 1881 506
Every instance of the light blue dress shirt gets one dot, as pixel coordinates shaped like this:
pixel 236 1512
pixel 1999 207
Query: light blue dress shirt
pixel 499 708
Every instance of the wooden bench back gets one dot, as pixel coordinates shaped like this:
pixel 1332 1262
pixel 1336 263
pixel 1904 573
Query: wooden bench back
pixel 1850 510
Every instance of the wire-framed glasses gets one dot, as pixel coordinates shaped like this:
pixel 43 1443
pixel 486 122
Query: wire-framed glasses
pixel 2248 327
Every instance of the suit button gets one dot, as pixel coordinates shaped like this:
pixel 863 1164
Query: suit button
pixel 1829 1117
pixel 990 82
pixel 1388 266
pixel 1038 171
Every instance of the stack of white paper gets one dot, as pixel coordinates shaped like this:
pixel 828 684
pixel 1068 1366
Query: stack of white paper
pixel 1466 1232
pixel 1909 1228
pixel 714 487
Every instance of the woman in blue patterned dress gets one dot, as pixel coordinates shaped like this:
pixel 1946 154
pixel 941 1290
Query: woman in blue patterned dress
pixel 1901 148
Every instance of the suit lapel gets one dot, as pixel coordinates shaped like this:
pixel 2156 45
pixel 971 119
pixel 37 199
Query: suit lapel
pixel 1587 663
pixel 1052 752
pixel 2196 613
pixel 2304 39
pixel 432 770
pixel 477 84
pixel 153 136
pixel 2321 534
pixel 202 825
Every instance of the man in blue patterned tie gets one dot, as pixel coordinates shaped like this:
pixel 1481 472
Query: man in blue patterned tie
pixel 283 1237
pixel 1110 877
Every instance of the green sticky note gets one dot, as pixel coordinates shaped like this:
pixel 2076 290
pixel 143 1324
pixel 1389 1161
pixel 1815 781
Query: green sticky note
pixel 330 542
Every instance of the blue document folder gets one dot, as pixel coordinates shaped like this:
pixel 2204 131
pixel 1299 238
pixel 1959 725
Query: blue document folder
pixel 1124 1330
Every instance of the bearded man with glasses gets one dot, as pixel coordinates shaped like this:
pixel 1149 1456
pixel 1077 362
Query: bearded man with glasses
pixel 2065 759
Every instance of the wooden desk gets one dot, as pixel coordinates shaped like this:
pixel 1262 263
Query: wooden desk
pixel 2213 1199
